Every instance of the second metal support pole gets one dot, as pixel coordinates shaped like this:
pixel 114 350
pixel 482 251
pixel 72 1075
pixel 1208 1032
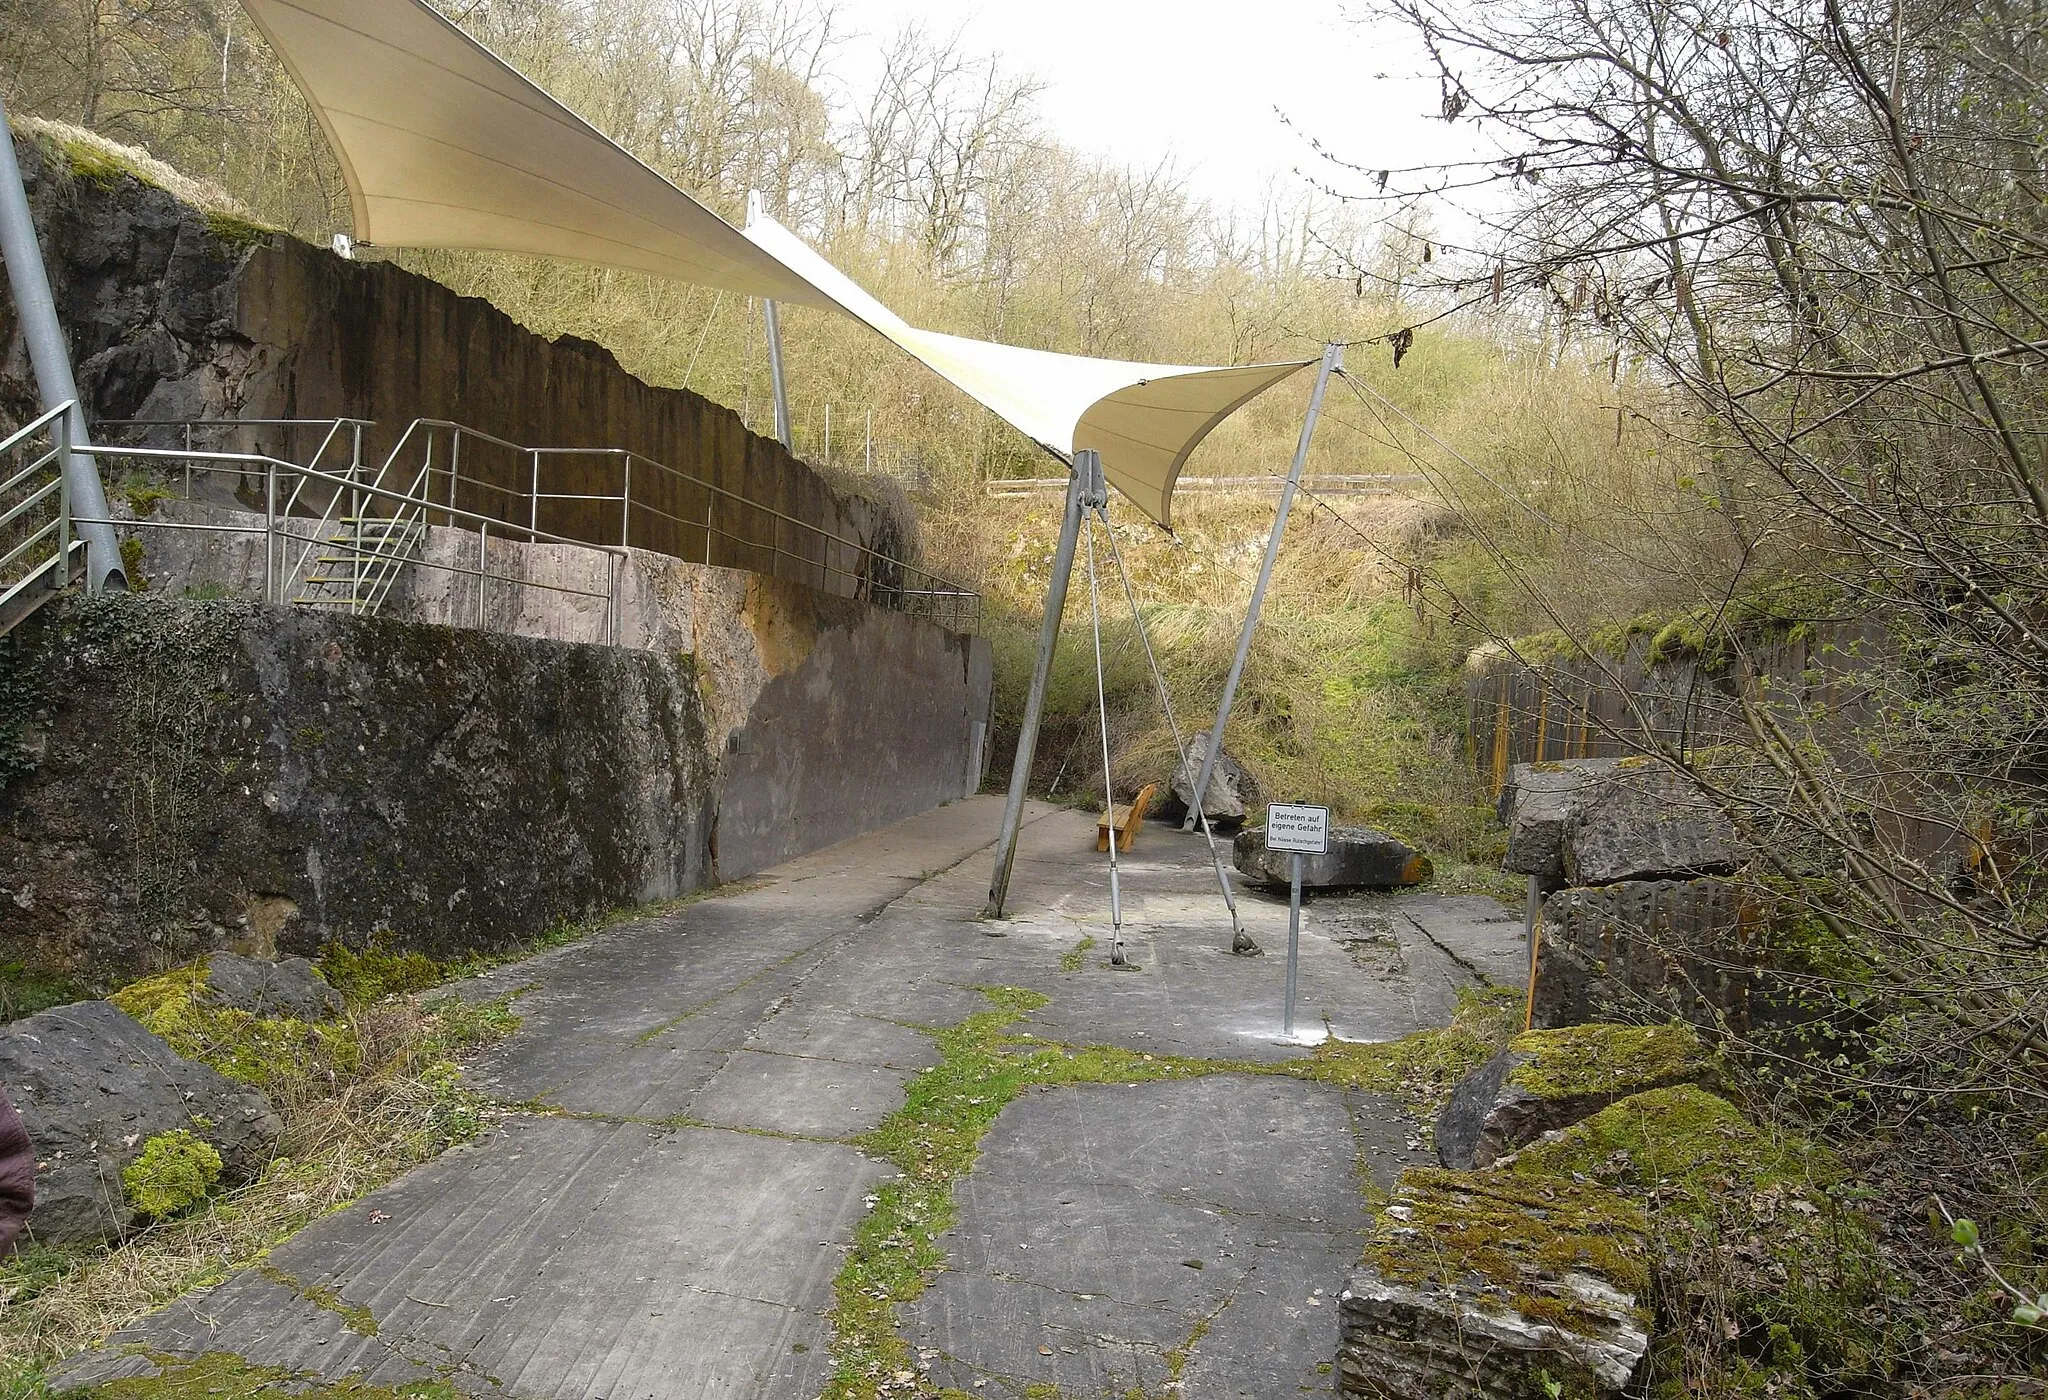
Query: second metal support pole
pixel 1081 483
pixel 1333 356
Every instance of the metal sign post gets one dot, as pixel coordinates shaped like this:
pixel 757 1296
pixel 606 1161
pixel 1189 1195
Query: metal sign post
pixel 1300 830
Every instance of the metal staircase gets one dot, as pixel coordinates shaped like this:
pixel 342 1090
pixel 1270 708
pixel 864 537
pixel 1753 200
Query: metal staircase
pixel 366 537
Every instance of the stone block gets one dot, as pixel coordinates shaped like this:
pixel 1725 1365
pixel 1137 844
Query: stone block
pixel 1472 1281
pixel 1702 951
pixel 1550 1079
pixel 1232 792
pixel 1594 821
pixel 1540 805
pixel 1358 858
pixel 289 987
pixel 1649 824
pixel 94 1087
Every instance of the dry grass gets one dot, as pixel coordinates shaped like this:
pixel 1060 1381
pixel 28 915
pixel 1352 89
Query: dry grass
pixel 102 153
pixel 401 1106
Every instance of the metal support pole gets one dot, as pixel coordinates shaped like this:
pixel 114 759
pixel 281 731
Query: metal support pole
pixel 773 322
pixel 1087 467
pixel 782 430
pixel 1333 356
pixel 1293 945
pixel 36 309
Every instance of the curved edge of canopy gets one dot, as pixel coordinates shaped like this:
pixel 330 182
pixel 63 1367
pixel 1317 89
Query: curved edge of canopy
pixel 1097 426
pixel 441 143
pixel 359 207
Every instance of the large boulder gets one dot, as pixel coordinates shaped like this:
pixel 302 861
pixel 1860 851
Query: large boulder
pixel 1358 858
pixel 289 987
pixel 94 1087
pixel 1540 804
pixel 1550 1079
pixel 1473 1281
pixel 1599 820
pixel 1232 792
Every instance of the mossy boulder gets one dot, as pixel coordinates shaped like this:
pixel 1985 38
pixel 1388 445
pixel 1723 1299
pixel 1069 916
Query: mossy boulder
pixel 96 1091
pixel 1477 1283
pixel 1549 1079
pixel 184 1008
pixel 1775 1286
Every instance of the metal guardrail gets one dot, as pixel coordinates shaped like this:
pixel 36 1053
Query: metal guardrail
pixel 37 546
pixel 371 522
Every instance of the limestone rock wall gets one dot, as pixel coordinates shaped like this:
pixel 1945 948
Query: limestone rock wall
pixel 185 775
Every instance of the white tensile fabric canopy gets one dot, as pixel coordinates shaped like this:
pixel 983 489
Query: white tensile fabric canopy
pixel 1143 419
pixel 444 145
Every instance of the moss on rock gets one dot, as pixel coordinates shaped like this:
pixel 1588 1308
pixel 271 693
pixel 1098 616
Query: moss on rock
pixel 1770 1281
pixel 1519 1234
pixel 1602 1060
pixel 266 1051
pixel 175 1171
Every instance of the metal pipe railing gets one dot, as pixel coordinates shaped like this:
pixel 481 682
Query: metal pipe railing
pixel 824 558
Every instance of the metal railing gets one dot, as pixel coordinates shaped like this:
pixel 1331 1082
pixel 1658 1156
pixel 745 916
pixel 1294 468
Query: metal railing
pixel 37 545
pixel 284 481
pixel 371 523
pixel 648 505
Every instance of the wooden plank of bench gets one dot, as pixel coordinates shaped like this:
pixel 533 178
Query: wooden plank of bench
pixel 1126 817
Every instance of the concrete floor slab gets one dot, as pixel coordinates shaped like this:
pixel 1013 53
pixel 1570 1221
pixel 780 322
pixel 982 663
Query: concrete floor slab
pixel 587 1246
pixel 809 1097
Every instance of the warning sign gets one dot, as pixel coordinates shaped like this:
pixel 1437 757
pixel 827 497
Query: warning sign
pixel 1297 827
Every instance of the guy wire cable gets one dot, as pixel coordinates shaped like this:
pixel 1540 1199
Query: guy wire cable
pixel 1238 938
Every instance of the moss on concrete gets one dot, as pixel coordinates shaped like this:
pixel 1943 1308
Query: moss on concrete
pixel 225 1376
pixel 934 1140
pixel 174 1172
pixel 1575 1061
pixel 1422 1068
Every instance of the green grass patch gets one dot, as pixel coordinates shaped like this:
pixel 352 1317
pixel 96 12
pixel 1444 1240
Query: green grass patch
pixel 933 1140
pixel 1422 1069
pixel 1071 960
pixel 25 990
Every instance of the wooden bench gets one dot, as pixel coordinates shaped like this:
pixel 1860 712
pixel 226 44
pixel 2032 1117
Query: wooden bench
pixel 1124 816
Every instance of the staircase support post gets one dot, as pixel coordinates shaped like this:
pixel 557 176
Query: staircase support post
pixel 51 358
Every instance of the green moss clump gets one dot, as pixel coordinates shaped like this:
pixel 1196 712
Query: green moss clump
pixel 368 974
pixel 237 232
pixel 1752 1239
pixel 267 1051
pixel 1574 1061
pixel 131 564
pixel 176 1170
pixel 1422 1068
pixel 90 163
pixel 1513 1234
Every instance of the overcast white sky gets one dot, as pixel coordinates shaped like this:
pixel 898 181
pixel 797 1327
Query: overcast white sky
pixel 1136 80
